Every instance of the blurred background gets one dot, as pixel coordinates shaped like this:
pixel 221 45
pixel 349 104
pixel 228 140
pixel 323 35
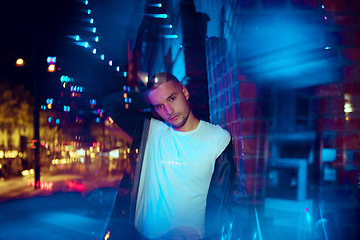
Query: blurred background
pixel 282 76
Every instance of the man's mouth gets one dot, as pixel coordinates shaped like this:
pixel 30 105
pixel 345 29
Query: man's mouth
pixel 172 118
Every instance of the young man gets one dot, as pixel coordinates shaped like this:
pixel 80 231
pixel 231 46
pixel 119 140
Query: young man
pixel 177 158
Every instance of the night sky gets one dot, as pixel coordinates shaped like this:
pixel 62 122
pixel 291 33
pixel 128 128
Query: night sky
pixel 47 27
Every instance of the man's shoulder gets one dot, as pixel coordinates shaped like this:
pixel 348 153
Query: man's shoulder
pixel 157 124
pixel 212 127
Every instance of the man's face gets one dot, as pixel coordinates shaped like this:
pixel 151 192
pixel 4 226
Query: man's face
pixel 170 102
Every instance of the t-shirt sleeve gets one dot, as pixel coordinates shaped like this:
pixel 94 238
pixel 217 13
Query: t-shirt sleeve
pixel 222 140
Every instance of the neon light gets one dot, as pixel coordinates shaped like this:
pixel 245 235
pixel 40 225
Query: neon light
pixel 94 30
pixel 125 74
pixel 170 36
pixel 327 48
pixel 102 56
pixel 91 20
pixel 86 44
pixel 94 51
pixel 97 39
pixel 118 68
pixel 51 59
pixel 159 5
pixel 157 15
pixel 110 63
pixel 86 2
pixel 167 26
pixel 89 11
pixel 77 37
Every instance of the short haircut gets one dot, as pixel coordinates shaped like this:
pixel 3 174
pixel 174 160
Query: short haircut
pixel 159 79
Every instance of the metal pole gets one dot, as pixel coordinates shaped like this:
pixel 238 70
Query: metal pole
pixel 36 112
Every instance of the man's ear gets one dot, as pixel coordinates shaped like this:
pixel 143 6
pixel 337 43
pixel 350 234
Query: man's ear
pixel 185 92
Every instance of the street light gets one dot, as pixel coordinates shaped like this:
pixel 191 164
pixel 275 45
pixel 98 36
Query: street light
pixel 20 62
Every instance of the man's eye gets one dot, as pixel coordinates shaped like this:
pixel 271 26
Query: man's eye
pixel 158 107
pixel 172 99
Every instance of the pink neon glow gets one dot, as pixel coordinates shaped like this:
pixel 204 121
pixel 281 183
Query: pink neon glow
pixel 47 186
pixel 75 185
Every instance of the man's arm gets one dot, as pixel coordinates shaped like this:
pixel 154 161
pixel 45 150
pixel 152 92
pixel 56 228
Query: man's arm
pixel 127 117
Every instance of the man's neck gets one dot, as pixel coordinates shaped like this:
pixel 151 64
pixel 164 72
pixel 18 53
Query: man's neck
pixel 191 124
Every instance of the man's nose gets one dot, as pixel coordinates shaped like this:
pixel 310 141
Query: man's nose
pixel 169 109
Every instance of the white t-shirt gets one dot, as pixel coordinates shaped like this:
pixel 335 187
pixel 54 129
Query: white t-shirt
pixel 175 178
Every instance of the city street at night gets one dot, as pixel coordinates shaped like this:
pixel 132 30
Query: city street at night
pixel 180 120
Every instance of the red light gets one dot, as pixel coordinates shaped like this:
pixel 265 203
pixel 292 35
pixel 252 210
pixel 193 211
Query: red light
pixel 75 185
pixel 42 185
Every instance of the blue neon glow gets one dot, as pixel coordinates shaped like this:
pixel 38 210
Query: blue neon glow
pixel 167 26
pixel 77 37
pixel 51 59
pixel 86 2
pixel 57 121
pixel 97 120
pixel 125 74
pixel 91 20
pixel 327 48
pixel 292 42
pixel 49 119
pixel 94 30
pixel 117 68
pixel 110 63
pixel 102 57
pixel 97 39
pixel 157 15
pixel 322 6
pixel 89 11
pixel 94 51
pixel 155 5
pixel 170 36
pixel 86 44
pixel 80 89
